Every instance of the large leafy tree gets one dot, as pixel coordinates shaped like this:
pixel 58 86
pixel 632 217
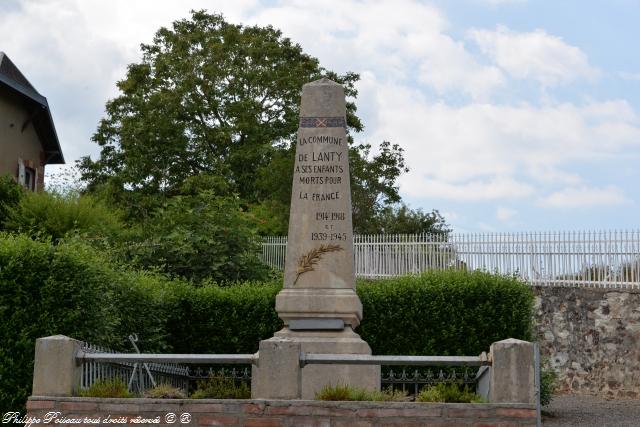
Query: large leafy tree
pixel 211 98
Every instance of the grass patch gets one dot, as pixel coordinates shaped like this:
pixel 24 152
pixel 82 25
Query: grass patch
pixel 165 391
pixel 107 388
pixel 347 392
pixel 448 393
pixel 219 387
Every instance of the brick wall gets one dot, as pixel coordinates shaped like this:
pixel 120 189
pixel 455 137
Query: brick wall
pixel 274 413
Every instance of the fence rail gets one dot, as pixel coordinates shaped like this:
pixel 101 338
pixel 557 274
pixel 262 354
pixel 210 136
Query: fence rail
pixel 566 258
pixel 143 370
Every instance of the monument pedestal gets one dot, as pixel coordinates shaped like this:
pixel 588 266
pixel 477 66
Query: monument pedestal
pixel 318 303
pixel 312 377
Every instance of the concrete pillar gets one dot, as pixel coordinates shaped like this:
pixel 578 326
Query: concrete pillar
pixel 55 372
pixel 277 374
pixel 512 372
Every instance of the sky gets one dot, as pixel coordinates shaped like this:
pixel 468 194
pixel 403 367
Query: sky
pixel 515 115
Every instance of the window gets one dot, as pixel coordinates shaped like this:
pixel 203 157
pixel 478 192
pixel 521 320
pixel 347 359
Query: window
pixel 29 178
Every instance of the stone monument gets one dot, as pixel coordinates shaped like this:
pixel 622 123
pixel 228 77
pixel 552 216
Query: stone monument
pixel 319 305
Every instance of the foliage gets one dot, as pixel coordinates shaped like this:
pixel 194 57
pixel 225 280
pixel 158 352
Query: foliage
pixel 10 195
pixel 68 289
pixel 217 99
pixel 373 183
pixel 448 393
pixel 47 291
pixel 198 237
pixel 165 391
pixel 221 387
pixel 400 219
pixel 348 392
pixel 214 319
pixel 56 215
pixel 107 388
pixel 446 312
pixel 208 97
pixel 74 290
pixel 548 383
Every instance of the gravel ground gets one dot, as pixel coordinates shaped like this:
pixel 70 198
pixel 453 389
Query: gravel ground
pixel 591 411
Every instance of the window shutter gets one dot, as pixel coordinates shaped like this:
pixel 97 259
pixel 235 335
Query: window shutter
pixel 20 171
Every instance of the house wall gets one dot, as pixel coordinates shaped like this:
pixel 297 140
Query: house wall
pixel 15 144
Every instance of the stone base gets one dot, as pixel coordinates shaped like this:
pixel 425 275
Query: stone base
pixel 313 377
pixel 319 303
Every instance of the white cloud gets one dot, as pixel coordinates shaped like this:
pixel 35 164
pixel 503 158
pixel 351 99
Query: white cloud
pixel 486 152
pixel 499 188
pixel 534 55
pixel 585 197
pixel 411 66
pixel 505 214
pixel 400 40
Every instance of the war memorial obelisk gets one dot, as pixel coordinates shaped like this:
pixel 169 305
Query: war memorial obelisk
pixel 318 304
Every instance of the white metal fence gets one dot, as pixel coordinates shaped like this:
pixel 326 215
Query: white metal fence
pixel 566 258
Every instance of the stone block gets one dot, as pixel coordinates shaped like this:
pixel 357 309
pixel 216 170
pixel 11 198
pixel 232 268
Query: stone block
pixel 277 374
pixel 55 371
pixel 512 372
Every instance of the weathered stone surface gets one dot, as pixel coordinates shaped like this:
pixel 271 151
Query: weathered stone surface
pixel 55 371
pixel 591 337
pixel 277 375
pixel 314 377
pixel 319 278
pixel 512 372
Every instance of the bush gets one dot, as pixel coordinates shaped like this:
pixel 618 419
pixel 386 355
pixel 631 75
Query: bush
pixel 448 393
pixel 444 313
pixel 548 383
pixel 107 388
pixel 46 291
pixel 68 289
pixel 220 387
pixel 214 319
pixel 10 195
pixel 200 237
pixel 347 392
pixel 56 215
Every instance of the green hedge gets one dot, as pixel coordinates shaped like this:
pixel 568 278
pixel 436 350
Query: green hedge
pixel 67 289
pixel 444 312
pixel 71 289
pixel 212 319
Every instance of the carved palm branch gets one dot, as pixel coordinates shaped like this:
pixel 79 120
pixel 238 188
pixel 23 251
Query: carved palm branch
pixel 310 259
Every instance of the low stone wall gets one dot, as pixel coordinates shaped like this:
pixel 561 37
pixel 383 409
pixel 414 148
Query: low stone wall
pixel 273 413
pixel 592 338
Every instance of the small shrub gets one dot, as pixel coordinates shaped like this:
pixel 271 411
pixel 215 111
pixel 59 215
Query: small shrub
pixel 347 392
pixel 165 391
pixel 57 215
pixel 107 388
pixel 10 195
pixel 448 393
pixel 548 384
pixel 219 387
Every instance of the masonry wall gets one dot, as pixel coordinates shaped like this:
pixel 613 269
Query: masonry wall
pixel 274 413
pixel 592 338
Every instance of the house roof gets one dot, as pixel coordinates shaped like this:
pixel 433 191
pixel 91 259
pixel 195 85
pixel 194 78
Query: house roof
pixel 14 81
